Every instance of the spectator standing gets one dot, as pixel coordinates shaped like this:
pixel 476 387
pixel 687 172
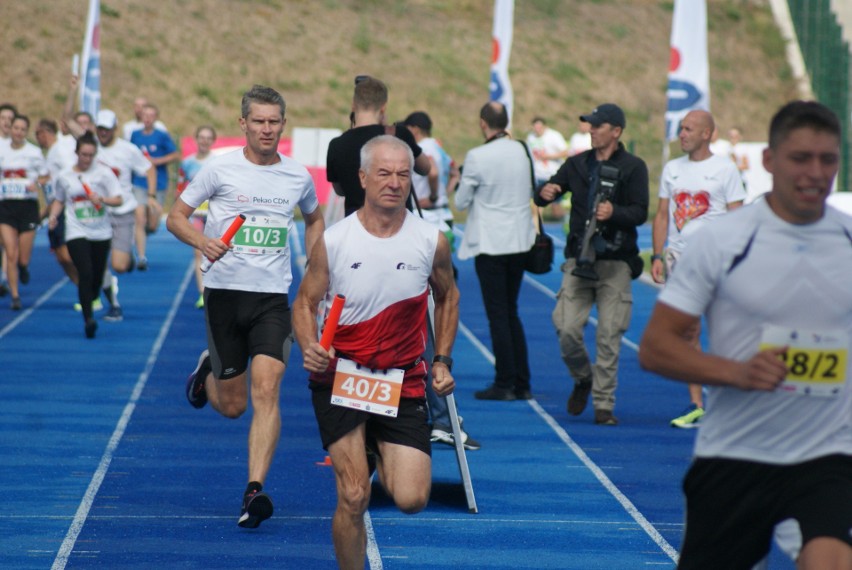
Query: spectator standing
pixel 495 188
pixel 617 220
pixel 694 189
pixel 549 150
pixel 136 124
pixel 369 104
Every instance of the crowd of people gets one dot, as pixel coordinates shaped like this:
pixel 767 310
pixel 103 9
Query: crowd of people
pixel 772 411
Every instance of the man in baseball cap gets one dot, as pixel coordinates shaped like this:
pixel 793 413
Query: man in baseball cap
pixel 106 119
pixel 606 113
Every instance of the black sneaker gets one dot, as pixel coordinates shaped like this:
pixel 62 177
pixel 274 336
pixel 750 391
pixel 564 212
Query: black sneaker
pixel 579 398
pixel 142 264
pixel 24 274
pixel 196 393
pixel 4 290
pixel 16 304
pixel 114 315
pixel 90 328
pixel 257 507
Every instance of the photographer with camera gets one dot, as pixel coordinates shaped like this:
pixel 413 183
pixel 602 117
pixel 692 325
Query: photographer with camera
pixel 609 199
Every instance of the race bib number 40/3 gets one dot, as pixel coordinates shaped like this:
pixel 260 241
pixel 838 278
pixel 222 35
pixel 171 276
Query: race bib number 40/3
pixel 263 235
pixel 373 391
pixel 816 362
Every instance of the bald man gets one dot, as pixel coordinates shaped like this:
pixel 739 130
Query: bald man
pixel 694 189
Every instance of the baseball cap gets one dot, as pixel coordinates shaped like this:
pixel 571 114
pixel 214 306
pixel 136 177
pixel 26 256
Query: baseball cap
pixel 606 113
pixel 106 119
pixel 418 119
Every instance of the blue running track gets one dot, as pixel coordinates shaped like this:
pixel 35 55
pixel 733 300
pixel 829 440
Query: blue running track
pixel 103 464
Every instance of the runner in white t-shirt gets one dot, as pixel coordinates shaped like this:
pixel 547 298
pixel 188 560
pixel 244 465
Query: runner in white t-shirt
pixel 124 159
pixel 84 192
pixel 245 295
pixel 694 189
pixel 24 172
pixel 772 280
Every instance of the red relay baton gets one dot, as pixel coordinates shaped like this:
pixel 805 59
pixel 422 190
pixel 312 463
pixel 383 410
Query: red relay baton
pixel 331 321
pixel 227 237
pixel 89 193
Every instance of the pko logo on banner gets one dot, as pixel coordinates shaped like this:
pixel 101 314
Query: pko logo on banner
pixel 682 95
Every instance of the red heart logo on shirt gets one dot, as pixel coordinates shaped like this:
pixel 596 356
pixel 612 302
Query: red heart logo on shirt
pixel 690 206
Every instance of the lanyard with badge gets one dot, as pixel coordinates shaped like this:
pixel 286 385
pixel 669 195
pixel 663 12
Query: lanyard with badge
pixel 356 386
pixel 816 361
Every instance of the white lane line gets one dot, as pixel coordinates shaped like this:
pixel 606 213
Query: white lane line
pixel 26 313
pixel 85 506
pixel 576 449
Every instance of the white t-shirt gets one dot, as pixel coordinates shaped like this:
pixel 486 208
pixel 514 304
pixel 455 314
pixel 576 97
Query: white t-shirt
pixel 82 219
pixel 420 183
pixel 21 168
pixel 697 191
pixel 550 142
pixel 124 159
pixel 267 196
pixel 749 271
pixel 579 142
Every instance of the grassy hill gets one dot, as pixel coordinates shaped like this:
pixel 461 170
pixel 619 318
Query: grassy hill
pixel 195 58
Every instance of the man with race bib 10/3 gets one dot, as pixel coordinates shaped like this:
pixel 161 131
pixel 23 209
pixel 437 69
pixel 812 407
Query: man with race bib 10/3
pixel 369 388
pixel 245 289
pixel 772 280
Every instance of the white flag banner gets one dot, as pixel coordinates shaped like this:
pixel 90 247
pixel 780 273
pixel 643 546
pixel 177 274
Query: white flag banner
pixel 501 47
pixel 90 74
pixel 689 72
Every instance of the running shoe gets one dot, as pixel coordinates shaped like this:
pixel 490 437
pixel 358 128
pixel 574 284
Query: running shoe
pixel 257 507
pixel 142 264
pixel 446 437
pixel 199 304
pixel 114 315
pixel 690 418
pixel 24 274
pixel 4 290
pixel 97 305
pixel 91 327
pixel 196 393
pixel 16 304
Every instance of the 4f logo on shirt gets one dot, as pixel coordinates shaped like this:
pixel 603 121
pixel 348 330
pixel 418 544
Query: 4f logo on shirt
pixel 355 265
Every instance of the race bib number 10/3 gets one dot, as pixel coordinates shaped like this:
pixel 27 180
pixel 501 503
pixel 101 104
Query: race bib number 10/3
pixel 816 362
pixel 263 235
pixel 373 391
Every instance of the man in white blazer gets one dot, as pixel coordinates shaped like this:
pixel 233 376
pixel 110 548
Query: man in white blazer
pixel 495 188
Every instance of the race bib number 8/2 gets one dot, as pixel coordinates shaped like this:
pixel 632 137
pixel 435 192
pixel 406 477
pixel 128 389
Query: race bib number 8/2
pixel 261 235
pixel 361 388
pixel 816 362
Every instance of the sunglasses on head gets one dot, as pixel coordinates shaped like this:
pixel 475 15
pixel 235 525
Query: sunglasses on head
pixel 361 78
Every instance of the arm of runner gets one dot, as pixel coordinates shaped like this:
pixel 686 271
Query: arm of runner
pixel 446 296
pixel 178 224
pixel 422 164
pixel 664 349
pixel 314 227
pixel 311 291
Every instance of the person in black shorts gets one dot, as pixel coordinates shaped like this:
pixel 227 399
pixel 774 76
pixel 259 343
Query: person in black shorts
pixel 382 259
pixel 772 281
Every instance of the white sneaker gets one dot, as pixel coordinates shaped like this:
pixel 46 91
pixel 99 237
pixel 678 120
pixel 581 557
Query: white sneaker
pixel 445 437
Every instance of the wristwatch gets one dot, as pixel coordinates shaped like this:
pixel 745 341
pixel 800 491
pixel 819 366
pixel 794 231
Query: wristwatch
pixel 656 256
pixel 445 360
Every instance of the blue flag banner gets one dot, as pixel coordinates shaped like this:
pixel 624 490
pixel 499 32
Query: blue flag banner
pixel 501 47
pixel 90 76
pixel 689 74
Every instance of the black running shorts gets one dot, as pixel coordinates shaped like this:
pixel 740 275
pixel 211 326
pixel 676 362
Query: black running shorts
pixel 56 236
pixel 244 324
pixel 20 214
pixel 410 428
pixel 733 506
